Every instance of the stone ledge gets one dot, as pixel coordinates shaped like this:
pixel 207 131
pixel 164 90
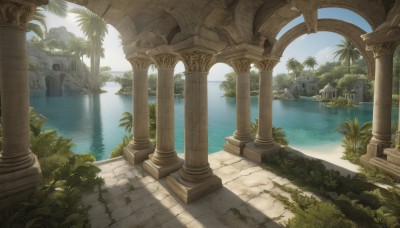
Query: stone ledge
pixel 137 156
pixel 189 192
pixel 393 155
pixel 159 172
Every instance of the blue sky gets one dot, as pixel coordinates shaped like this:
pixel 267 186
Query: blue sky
pixel 321 45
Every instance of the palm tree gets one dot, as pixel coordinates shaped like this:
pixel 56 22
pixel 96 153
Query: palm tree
pixel 356 138
pixel 127 121
pixel 95 29
pixel 348 53
pixel 295 66
pixel 310 62
pixel 38 23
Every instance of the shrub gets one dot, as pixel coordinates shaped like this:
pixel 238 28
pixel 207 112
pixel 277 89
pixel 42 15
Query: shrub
pixel 321 214
pixel 340 102
pixel 65 177
pixel 356 138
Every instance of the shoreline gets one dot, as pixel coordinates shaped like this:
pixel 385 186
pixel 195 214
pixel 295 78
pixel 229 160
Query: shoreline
pixel 330 155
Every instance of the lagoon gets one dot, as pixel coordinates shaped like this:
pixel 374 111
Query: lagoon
pixel 91 121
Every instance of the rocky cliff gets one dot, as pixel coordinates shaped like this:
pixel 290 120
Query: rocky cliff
pixel 56 74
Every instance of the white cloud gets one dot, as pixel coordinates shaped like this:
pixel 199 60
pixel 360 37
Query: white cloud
pixel 325 55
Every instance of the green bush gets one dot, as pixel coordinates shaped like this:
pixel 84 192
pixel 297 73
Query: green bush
pixel 321 214
pixel 340 102
pixel 362 202
pixel 65 177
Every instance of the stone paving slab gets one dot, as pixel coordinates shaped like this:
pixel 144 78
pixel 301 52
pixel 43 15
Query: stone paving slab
pixel 132 198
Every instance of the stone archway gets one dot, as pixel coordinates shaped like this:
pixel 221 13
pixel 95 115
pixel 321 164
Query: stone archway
pixel 350 31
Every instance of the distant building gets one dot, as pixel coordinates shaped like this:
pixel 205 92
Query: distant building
pixel 328 92
pixel 356 94
pixel 304 86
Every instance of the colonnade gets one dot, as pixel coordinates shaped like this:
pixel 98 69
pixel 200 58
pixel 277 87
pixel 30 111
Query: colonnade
pixel 190 178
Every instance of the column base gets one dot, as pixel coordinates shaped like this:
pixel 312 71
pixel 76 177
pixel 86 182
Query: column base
pixel 392 155
pixel 255 153
pixel 375 148
pixel 189 192
pixel 137 156
pixel 158 171
pixel 235 146
pixel 18 185
pixel 383 165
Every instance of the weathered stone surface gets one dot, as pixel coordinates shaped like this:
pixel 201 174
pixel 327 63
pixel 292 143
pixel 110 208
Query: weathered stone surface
pixel 150 203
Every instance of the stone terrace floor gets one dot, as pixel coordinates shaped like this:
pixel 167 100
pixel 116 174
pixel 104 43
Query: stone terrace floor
pixel 132 198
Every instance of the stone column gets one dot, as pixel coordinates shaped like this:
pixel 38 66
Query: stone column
pixel 140 147
pixel 20 171
pixel 164 161
pixel 242 135
pixel 195 179
pixel 264 142
pixel 381 126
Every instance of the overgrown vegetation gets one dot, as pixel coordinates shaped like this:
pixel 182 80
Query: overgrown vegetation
pixel 360 201
pixel 229 85
pixel 356 137
pixel 340 102
pixel 65 177
pixel 127 123
pixel 278 134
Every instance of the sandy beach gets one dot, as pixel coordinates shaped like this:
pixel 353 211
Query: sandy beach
pixel 331 155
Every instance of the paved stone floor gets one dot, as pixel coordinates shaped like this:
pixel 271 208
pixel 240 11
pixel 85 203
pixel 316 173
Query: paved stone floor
pixel 132 198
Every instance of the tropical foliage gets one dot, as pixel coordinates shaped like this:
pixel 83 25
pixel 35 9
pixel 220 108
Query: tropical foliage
pixel 38 24
pixel 356 137
pixel 310 62
pixel 347 53
pixel 65 177
pixel 278 134
pixel 295 66
pixel 95 29
pixel 361 202
pixel 229 85
pixel 127 123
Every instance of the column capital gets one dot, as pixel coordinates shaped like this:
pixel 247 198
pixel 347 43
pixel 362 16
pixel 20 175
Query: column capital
pixel 166 60
pixel 17 14
pixel 197 60
pixel 267 64
pixel 140 62
pixel 241 65
pixel 381 49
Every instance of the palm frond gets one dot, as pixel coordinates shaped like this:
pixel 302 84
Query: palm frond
pixel 57 7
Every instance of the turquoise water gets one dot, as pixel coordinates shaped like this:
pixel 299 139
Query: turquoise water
pixel 92 120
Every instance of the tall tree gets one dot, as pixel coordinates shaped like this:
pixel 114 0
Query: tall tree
pixel 295 66
pixel 95 29
pixel 310 63
pixel 348 53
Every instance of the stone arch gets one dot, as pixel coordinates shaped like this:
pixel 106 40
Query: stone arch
pixel 343 28
pixel 273 16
